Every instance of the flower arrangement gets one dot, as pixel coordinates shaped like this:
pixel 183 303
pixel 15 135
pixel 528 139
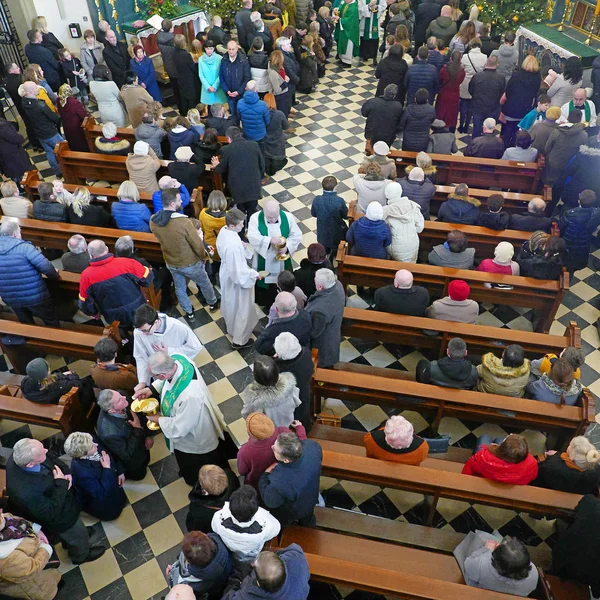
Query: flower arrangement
pixel 165 8
pixel 226 9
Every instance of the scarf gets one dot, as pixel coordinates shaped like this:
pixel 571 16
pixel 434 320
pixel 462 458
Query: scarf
pixel 284 228
pixel 94 457
pixel 586 110
pixel 168 398
pixel 15 528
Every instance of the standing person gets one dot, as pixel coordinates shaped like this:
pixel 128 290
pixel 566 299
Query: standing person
pixel 74 74
pixel 473 62
pixel 40 487
pixel 165 42
pixel 442 27
pixel 187 75
pixel 421 75
pixel 243 23
pixel 44 123
pixel 143 67
pixel 253 115
pixel 486 89
pixel 38 54
pixel 507 56
pixel 279 82
pixel 237 281
pixel 383 115
pixel 90 53
pixel 49 40
pixel 416 121
pixel 371 14
pixel 331 211
pixel 565 84
pixel 448 100
pixel 14 160
pixel 108 97
pixel 241 156
pixel 275 158
pixel 116 57
pixel 183 251
pixel 234 74
pixel 347 32
pixel 190 419
pixel 212 220
pixel 72 113
pixel 290 65
pixel 209 67
pixel 392 70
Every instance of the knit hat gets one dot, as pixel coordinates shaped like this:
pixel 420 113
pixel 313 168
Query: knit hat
pixel 375 211
pixel 381 148
pixel 553 113
pixel 393 191
pixel 259 426
pixel 184 153
pixel 503 253
pixel 141 148
pixel 438 124
pixel 416 174
pixel 37 369
pixel 458 290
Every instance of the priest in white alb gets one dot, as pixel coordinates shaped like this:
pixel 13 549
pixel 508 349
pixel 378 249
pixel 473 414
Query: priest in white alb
pixel 273 233
pixel 237 280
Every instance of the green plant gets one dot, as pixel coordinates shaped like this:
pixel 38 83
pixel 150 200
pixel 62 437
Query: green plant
pixel 505 15
pixel 165 8
pixel 226 9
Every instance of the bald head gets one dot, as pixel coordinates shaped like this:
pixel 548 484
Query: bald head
pixel 271 211
pixel 181 591
pixel 403 279
pixel 491 63
pixel 446 11
pixel 77 244
pixel 285 304
pixel 97 248
pixel 579 97
pixel 536 206
pixel 30 89
pixel 111 37
pixel 165 182
pixel 270 572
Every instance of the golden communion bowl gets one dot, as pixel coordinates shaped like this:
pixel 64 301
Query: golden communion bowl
pixel 285 256
pixel 148 406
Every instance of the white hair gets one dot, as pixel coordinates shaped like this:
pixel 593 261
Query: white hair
pixel 105 400
pixel 160 363
pixel 77 244
pixel 9 228
pixel 97 248
pixel 287 346
pixel 124 245
pixel 285 302
pixel 326 278
pixel 251 85
pixel 109 130
pixel 490 123
pixel 23 452
pixel 78 444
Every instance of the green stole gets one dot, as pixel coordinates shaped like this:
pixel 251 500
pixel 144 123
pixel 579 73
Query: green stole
pixel 586 110
pixel 263 229
pixel 168 398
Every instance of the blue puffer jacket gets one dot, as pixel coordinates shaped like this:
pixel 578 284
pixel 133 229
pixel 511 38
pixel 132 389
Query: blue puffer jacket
pixel 577 225
pixel 421 74
pixel 157 199
pixel 369 238
pixel 255 116
pixel 234 75
pixel 130 215
pixel 21 269
pixel 459 209
pixel 188 137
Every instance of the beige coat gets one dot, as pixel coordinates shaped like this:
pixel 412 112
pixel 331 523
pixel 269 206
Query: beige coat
pixel 142 171
pixel 22 574
pixel 495 378
pixel 137 102
pixel 15 206
pixel 461 311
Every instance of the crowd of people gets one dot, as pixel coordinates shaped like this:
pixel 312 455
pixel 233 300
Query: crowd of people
pixel 235 99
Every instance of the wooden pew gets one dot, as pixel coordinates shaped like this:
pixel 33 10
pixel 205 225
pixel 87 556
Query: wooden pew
pixel 402 572
pixel 565 422
pixel 31 181
pixel 478 172
pixel 484 240
pixel 408 331
pixel 542 295
pixel 46 234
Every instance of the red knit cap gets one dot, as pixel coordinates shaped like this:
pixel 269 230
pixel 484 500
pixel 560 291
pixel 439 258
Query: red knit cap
pixel 459 290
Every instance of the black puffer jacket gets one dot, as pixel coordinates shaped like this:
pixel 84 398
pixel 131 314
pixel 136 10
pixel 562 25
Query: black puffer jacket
pixel 577 225
pixel 43 121
pixel 391 70
pixel 486 88
pixel 536 265
pixel 383 119
pixel 521 92
pixel 583 173
pixel 49 211
pixel 14 160
pixel 308 71
pixel 416 123
pixel 420 192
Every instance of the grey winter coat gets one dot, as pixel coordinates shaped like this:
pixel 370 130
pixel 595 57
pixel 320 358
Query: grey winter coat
pixel 545 390
pixel 302 8
pixel 440 256
pixel 152 134
pixel 560 148
pixel 87 62
pixel 278 402
pixel 508 60
pixel 166 45
pixel 326 308
pixel 442 142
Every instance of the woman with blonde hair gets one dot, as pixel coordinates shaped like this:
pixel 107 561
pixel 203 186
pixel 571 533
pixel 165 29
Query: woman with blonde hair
pixel 34 73
pixel 575 471
pixel 308 66
pixel 279 82
pixel 275 158
pixel 72 113
pixel 196 50
pixel 315 31
pixel 49 40
pixel 396 441
pixel 461 40
pixel 456 13
pixel 193 116
pixel 82 212
pixel 212 220
pixel 129 213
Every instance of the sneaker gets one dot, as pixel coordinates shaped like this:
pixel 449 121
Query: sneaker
pixel 215 306
pixel 246 345
pixel 190 317
pixel 95 553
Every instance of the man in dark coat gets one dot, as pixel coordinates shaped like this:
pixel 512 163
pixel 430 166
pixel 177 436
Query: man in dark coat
pixel 421 75
pixel 244 164
pixel 488 145
pixel 533 220
pixel 166 44
pixel 292 358
pixel 243 23
pixel 290 65
pixel 116 58
pixel 126 439
pixel 453 370
pixel 14 160
pixel 36 53
pixel 326 308
pixel 39 486
pixel 416 122
pixel 486 89
pixel 234 74
pixel 582 173
pixel 290 487
pixel 391 70
pixel 11 82
pixel 217 119
pixel 383 115
pixel 187 75
pixel 425 12
pixel 290 319
pixel 402 298
pixel 217 34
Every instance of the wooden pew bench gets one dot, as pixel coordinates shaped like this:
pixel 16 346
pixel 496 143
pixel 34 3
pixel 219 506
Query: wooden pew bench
pixel 542 295
pixel 563 422
pixel 478 172
pixel 408 331
pixel 31 181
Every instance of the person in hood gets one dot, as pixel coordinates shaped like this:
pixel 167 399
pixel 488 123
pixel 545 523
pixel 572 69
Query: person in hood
pixel 402 298
pixel 502 262
pixel 453 253
pixel 151 132
pixel 488 145
pixel 534 219
pixel 209 494
pixel 142 166
pixel 280 575
pixel 396 442
pixel 506 376
pixel 541 256
pixel 506 461
pixel 370 187
pixel 204 564
pixel 460 207
pixel 406 221
pixel 442 27
pixel 453 370
pixel 109 143
pixel 253 114
pixel 419 189
pixel 371 235
pixel 273 393
pixel 383 115
pixel 456 306
pixel 417 119
pixel 574 471
pixel 507 55
pixel 495 217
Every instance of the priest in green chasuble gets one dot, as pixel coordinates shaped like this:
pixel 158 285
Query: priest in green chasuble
pixel 347 33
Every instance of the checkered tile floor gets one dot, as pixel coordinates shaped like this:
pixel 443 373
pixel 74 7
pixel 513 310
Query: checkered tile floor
pixel 329 140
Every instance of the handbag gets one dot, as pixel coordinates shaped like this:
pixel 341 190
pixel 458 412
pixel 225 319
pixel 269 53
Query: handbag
pixel 328 419
pixel 439 444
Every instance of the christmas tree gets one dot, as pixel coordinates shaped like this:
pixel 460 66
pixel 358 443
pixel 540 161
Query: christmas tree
pixel 505 15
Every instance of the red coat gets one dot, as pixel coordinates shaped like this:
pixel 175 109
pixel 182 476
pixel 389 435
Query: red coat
pixel 448 100
pixel 485 464
pixel 73 114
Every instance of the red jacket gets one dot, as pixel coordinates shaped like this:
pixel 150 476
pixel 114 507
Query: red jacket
pixel 485 464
